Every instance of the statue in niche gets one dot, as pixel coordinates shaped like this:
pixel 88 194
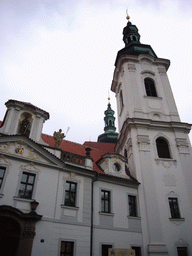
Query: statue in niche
pixel 24 128
pixel 58 137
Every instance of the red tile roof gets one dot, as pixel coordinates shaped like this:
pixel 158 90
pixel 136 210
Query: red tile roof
pixel 97 149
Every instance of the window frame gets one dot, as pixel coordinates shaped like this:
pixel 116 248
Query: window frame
pixel 182 247
pixel 3 176
pixel 135 246
pixel 150 88
pixel 166 152
pixel 27 184
pixel 108 200
pixel 70 192
pixel 135 205
pixel 66 241
pixel 3 179
pixel 177 214
pixel 105 244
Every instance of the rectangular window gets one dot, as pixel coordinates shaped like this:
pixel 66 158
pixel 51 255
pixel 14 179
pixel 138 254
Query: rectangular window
pixel 137 250
pixel 2 174
pixel 67 248
pixel 105 248
pixel 132 205
pixel 27 185
pixel 105 201
pixel 70 193
pixel 182 251
pixel 174 208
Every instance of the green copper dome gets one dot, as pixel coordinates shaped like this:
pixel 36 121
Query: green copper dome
pixel 109 135
pixel 131 38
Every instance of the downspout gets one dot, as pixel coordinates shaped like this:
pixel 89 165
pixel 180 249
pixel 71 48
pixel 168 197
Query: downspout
pixel 91 238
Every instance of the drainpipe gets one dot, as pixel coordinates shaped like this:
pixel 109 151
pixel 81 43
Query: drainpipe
pixel 91 238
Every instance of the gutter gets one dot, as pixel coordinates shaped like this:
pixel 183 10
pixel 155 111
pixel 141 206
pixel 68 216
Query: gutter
pixel 91 235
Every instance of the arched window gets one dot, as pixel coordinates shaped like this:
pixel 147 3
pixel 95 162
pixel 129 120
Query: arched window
pixel 150 87
pixel 121 101
pixel 25 124
pixel 162 148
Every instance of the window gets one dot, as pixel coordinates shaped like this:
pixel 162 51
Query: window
pixel 174 207
pixel 25 124
pixel 162 148
pixel 67 248
pixel 70 193
pixel 105 248
pixel 132 205
pixel 105 201
pixel 27 185
pixel 121 100
pixel 182 251
pixel 2 174
pixel 150 87
pixel 137 250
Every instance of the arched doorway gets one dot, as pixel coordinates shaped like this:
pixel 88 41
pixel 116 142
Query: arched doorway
pixel 9 236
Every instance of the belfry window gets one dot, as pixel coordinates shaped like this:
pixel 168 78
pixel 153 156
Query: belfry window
pixel 121 100
pixel 150 87
pixel 162 148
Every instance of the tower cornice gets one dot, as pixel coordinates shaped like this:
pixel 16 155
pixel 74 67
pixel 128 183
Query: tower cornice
pixel 149 124
pixel 136 59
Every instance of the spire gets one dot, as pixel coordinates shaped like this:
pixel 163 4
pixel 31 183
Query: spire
pixel 109 135
pixel 131 38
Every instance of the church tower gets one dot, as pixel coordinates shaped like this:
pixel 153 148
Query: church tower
pixel 156 145
pixel 110 135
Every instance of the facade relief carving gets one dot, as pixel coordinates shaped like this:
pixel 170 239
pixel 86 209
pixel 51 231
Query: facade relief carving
pixel 162 71
pixel 21 148
pixel 3 160
pixel 143 142
pixel 71 176
pixel 183 146
pixel 167 163
pixel 30 167
pixel 131 67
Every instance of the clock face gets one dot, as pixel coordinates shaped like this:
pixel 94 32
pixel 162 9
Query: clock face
pixel 116 167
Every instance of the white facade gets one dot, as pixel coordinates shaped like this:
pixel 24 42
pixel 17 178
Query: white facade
pixel 142 120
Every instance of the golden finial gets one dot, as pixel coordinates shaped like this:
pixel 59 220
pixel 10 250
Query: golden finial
pixel 127 17
pixel 108 97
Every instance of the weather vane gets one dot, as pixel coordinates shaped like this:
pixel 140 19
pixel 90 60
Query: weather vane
pixel 108 97
pixel 127 17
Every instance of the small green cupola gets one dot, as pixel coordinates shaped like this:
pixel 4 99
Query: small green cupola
pixel 110 135
pixel 131 38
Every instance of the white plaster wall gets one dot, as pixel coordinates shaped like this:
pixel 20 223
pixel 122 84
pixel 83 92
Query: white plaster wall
pixel 155 190
pixel 119 202
pixel 136 104
pixel 118 239
pixel 54 232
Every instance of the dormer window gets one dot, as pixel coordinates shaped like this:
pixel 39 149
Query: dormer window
pixel 150 87
pixel 25 124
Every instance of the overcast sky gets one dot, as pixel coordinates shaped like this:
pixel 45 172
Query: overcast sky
pixel 59 55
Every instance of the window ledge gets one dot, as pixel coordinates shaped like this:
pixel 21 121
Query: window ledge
pixel 133 217
pixel 22 199
pixel 106 213
pixel 152 97
pixel 177 219
pixel 69 207
pixel 1 195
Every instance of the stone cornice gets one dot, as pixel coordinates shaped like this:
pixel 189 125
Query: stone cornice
pixel 150 124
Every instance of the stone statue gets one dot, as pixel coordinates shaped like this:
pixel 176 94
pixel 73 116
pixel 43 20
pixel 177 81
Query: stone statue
pixel 24 126
pixel 58 137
